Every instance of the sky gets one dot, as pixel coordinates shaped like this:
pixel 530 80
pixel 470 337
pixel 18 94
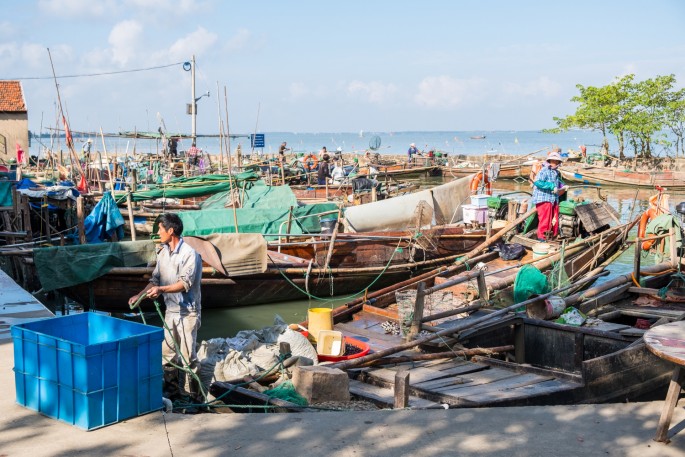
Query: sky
pixel 320 66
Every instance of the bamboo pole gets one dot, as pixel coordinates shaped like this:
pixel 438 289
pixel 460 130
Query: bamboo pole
pixel 438 355
pixel 129 205
pixel 109 172
pixel 331 245
pixel 79 220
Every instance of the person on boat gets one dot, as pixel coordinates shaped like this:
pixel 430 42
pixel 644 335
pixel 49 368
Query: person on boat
pixel 546 191
pixel 177 277
pixel 173 147
pixel 323 152
pixel 583 152
pixel 192 154
pixel 338 154
pixel 338 172
pixel 411 152
pixel 324 170
pixel 281 151
pixel 20 154
pixel 86 149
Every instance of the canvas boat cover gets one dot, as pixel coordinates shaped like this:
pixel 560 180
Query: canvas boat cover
pixel 398 213
pixel 195 186
pixel 65 266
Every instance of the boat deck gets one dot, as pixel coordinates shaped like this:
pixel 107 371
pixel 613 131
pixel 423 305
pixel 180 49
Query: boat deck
pixel 456 382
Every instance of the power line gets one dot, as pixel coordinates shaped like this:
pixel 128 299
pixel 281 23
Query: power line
pixel 94 74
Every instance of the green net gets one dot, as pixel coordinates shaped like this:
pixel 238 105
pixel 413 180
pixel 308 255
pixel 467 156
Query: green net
pixel 529 281
pixel 286 391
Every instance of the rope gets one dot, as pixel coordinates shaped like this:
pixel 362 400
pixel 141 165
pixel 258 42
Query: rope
pixel 356 294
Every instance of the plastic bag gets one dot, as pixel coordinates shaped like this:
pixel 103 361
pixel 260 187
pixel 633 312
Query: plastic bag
pixel 571 316
pixel 513 251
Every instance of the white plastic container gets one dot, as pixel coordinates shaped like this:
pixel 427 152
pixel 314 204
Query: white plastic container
pixel 330 342
pixel 480 200
pixel 472 213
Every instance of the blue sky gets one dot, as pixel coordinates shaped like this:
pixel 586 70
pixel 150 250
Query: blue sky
pixel 318 66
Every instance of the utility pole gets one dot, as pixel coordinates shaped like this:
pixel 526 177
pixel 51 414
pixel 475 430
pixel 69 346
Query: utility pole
pixel 193 106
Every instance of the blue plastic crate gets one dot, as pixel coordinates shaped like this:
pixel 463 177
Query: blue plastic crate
pixel 89 370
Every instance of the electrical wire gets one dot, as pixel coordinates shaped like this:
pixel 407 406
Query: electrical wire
pixel 86 75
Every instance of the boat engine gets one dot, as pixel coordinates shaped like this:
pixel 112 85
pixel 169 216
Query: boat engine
pixel 569 226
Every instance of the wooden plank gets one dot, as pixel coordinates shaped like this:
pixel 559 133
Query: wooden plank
pixel 384 395
pixel 492 397
pixel 401 389
pixel 477 378
pixel 418 374
pixel 502 385
pixel 453 378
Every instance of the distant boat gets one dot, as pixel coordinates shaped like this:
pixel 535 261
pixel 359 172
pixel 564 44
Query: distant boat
pixel 478 137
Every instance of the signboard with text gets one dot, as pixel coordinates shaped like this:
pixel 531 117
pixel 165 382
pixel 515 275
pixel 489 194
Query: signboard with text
pixel 257 140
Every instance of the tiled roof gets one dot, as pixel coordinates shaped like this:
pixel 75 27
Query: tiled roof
pixel 11 97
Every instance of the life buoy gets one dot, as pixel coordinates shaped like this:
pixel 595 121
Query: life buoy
pixel 656 207
pixel 481 178
pixel 310 162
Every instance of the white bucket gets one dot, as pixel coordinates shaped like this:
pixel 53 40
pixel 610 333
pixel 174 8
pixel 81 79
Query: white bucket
pixel 540 250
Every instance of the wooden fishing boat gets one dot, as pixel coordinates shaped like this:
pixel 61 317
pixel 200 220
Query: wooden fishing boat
pixel 506 171
pixel 610 176
pixel 322 265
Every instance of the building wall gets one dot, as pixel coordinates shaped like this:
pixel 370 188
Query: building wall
pixel 14 127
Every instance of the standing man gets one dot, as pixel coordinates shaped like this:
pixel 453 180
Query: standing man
pixel 411 152
pixel 281 151
pixel 546 190
pixel 324 171
pixel 177 278
pixel 86 149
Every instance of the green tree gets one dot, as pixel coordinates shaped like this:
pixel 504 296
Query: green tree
pixel 674 118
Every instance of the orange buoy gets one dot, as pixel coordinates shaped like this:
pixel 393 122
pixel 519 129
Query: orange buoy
pixel 481 180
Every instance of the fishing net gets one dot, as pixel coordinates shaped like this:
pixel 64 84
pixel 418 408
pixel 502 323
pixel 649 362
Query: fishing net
pixel 557 277
pixel 286 391
pixel 529 281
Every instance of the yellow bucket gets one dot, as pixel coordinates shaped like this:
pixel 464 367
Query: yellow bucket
pixel 319 319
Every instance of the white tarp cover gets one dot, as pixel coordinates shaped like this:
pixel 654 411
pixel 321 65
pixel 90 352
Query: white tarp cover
pixel 400 212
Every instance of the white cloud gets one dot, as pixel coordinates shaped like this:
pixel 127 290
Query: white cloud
pixel 194 43
pixel 238 41
pixel 374 91
pixel 542 86
pixel 78 8
pixel 447 92
pixel 124 39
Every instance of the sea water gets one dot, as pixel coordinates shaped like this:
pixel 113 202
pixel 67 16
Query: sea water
pixel 452 143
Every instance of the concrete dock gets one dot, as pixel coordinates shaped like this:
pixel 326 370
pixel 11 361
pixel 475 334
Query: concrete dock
pixel 588 430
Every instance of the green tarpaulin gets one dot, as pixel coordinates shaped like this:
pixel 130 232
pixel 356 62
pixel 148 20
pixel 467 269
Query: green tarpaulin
pixel 267 221
pixel 194 187
pixel 256 195
pixel 6 193
pixel 65 266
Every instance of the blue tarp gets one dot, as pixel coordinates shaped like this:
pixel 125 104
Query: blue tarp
pixel 104 221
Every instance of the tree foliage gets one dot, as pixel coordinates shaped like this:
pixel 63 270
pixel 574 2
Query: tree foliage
pixel 637 113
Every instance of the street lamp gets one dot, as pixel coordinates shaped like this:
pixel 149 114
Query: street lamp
pixel 193 107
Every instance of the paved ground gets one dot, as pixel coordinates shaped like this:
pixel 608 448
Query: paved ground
pixel 590 430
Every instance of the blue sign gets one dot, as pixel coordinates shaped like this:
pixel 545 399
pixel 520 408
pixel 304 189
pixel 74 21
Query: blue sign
pixel 257 140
